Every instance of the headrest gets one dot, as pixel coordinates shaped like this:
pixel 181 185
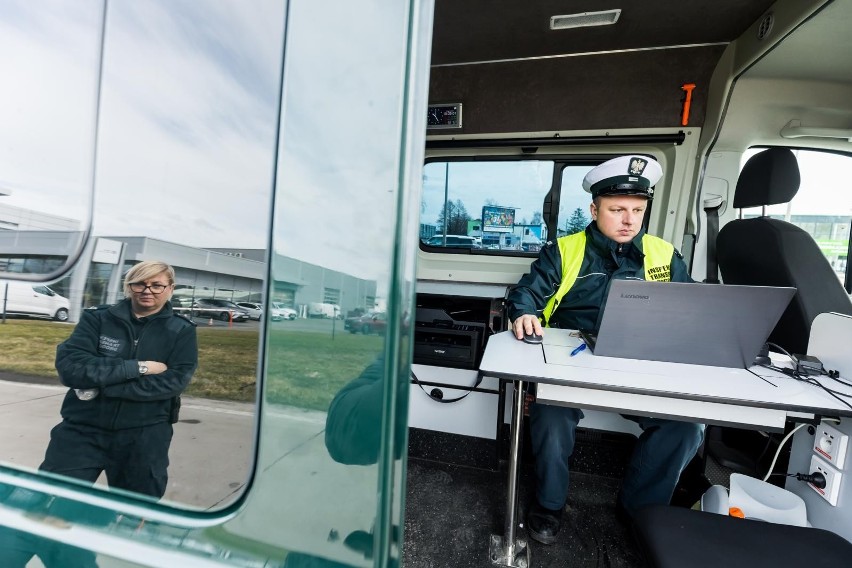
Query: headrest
pixel 768 178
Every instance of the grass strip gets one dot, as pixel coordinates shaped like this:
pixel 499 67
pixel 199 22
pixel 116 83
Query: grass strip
pixel 303 369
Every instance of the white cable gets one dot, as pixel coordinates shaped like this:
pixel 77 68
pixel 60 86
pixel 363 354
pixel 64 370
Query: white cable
pixel 781 445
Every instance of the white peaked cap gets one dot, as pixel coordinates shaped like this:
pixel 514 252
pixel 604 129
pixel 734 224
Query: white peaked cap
pixel 625 175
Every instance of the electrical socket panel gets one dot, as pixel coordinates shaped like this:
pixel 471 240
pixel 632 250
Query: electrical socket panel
pixel 831 444
pixel 832 480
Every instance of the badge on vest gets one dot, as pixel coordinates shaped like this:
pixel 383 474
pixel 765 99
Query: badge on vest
pixel 657 273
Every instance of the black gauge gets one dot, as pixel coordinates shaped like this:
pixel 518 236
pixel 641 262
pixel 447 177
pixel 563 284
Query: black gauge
pixel 444 116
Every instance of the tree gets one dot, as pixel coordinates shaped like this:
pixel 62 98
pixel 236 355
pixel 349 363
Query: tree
pixel 577 222
pixel 456 217
pixel 536 218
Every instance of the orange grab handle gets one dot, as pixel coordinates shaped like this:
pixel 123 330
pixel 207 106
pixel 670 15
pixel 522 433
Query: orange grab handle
pixel 687 102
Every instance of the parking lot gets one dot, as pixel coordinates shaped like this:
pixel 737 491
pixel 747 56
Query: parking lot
pixel 309 325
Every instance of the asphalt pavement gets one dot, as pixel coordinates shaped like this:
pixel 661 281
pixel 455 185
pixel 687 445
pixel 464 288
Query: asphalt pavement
pixel 211 453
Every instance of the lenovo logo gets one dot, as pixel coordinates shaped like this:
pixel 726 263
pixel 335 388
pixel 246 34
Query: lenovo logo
pixel 635 296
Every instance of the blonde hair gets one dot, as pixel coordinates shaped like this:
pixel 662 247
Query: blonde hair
pixel 145 270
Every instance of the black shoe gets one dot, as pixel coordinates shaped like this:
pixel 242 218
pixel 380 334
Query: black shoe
pixel 543 524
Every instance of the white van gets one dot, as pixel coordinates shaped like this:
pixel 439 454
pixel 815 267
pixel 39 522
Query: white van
pixel 323 310
pixel 24 298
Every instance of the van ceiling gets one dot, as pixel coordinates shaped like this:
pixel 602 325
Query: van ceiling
pixel 512 74
pixel 471 31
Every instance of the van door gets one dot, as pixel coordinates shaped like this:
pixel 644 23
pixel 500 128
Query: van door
pixel 20 297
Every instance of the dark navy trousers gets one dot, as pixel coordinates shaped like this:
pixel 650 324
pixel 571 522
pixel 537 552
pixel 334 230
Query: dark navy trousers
pixel 660 455
pixel 134 459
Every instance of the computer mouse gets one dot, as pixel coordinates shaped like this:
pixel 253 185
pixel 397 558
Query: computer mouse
pixel 533 338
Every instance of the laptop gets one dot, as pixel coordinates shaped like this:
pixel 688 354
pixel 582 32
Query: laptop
pixel 720 325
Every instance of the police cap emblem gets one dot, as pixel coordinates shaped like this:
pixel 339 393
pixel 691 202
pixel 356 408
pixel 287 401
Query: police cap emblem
pixel 637 166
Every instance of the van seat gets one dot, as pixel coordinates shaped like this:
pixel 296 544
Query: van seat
pixel 675 537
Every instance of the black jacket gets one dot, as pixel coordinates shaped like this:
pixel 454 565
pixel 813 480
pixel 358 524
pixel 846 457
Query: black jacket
pixel 353 426
pixel 603 261
pixel 104 352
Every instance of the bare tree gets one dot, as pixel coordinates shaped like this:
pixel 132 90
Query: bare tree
pixel 456 216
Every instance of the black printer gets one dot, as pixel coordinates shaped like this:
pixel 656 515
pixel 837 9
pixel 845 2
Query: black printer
pixel 443 341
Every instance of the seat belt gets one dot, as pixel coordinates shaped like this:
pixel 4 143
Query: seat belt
pixel 712 204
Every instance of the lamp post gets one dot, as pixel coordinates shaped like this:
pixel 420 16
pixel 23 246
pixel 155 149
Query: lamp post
pixel 446 196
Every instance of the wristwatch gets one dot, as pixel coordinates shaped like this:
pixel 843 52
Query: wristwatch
pixel 143 368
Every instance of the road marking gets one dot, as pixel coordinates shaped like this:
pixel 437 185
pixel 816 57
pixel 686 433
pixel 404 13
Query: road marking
pixel 55 388
pixel 297 414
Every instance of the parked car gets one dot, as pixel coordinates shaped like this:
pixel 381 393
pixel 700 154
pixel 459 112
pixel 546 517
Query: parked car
pixel 225 310
pixel 455 241
pixel 254 310
pixel 37 300
pixel 279 311
pixel 371 322
pixel 181 305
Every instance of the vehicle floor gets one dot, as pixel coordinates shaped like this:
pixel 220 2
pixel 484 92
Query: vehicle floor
pixel 452 510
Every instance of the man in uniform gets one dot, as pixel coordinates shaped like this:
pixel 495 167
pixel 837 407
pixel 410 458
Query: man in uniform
pixel 567 287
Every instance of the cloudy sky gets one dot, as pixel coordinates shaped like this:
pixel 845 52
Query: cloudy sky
pixel 186 129
pixel 48 103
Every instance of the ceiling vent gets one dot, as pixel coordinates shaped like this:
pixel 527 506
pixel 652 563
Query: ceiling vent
pixel 584 19
pixel 765 26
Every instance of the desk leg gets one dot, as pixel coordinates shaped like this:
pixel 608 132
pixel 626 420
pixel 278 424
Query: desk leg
pixel 507 550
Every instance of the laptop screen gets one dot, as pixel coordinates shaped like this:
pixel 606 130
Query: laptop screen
pixel 702 324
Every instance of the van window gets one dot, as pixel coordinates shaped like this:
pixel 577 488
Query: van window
pixel 495 206
pixel 821 207
pixel 43 290
pixel 574 202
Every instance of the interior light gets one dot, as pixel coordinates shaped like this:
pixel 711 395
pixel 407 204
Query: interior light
pixel 585 19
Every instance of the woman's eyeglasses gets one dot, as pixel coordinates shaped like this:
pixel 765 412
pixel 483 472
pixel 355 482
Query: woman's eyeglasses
pixel 140 287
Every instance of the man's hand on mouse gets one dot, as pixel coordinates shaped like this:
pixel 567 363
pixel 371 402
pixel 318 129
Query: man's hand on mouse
pixel 527 324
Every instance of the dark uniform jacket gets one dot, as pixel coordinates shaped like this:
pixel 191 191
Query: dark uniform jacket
pixel 582 306
pixel 104 352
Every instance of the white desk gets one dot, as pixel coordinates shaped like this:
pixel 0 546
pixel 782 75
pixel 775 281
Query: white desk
pixel 754 398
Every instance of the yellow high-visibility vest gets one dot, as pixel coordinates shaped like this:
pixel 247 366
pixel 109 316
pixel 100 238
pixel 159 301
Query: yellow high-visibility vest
pixel 658 258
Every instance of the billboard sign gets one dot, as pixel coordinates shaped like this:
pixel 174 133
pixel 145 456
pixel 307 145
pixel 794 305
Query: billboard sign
pixel 498 219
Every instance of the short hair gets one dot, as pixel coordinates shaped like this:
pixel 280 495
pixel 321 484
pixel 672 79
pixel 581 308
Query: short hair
pixel 597 200
pixel 145 270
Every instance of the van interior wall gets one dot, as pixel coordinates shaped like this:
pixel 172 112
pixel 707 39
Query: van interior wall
pixel 750 121
pixel 590 92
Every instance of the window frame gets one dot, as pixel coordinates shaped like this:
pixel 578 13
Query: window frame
pixel 550 201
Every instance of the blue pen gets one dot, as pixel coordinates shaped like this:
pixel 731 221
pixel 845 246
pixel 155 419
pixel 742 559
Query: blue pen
pixel 578 349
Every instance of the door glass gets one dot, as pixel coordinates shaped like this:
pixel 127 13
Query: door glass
pixel 186 146
pixel 333 388
pixel 50 64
